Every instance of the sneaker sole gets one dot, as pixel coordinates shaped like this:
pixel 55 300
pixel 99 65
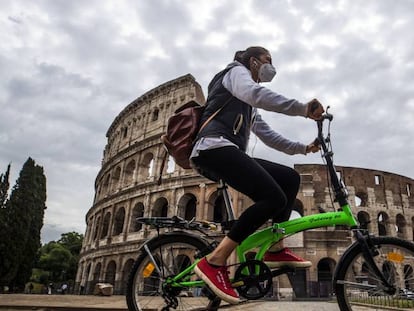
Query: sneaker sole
pixel 215 289
pixel 279 264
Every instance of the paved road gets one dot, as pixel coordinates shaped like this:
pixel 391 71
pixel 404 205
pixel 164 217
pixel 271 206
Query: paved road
pixel 117 303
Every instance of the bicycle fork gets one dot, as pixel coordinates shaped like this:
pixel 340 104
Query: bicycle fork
pixel 369 251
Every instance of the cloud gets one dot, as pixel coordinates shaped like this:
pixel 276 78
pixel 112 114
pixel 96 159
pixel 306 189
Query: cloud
pixel 69 67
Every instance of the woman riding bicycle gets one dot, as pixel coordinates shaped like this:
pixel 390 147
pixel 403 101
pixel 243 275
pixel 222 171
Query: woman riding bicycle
pixel 220 153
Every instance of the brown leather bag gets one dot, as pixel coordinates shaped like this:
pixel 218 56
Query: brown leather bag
pixel 182 129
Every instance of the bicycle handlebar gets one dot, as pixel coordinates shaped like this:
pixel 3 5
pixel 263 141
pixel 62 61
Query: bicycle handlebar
pixel 320 140
pixel 340 190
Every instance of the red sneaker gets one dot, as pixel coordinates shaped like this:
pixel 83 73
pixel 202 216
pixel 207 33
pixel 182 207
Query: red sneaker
pixel 218 280
pixel 285 257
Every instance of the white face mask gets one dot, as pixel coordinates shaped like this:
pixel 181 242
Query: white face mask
pixel 266 72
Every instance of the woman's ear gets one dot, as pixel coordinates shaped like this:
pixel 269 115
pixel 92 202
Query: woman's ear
pixel 253 63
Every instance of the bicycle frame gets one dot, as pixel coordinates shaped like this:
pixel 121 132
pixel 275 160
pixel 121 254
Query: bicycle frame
pixel 263 239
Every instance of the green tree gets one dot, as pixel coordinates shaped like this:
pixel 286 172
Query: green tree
pixel 24 213
pixel 4 224
pixel 55 259
pixel 4 187
pixel 72 241
pixel 61 258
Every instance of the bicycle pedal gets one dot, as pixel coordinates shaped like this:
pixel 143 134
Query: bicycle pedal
pixel 237 284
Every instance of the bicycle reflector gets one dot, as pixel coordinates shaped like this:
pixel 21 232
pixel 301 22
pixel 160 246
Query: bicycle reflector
pixel 395 257
pixel 149 268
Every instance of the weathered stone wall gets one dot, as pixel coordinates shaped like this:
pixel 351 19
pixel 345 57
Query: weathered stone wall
pixel 126 188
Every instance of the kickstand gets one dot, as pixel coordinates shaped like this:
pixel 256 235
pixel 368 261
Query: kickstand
pixel 215 301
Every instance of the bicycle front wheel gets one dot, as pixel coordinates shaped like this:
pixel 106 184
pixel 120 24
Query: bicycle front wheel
pixel 147 288
pixel 357 284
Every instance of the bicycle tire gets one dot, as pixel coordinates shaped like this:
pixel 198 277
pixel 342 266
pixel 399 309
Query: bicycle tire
pixel 144 289
pixel 356 284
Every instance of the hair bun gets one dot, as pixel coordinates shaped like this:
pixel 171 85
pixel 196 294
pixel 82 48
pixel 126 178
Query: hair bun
pixel 239 56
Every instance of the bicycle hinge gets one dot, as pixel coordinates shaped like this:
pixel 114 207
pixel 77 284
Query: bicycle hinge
pixel 278 230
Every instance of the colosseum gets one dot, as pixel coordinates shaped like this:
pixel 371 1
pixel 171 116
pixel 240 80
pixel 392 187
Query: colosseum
pixel 126 188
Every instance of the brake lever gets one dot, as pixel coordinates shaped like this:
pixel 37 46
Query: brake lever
pixel 327 116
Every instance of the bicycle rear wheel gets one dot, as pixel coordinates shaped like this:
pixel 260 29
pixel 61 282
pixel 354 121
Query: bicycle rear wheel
pixel 357 284
pixel 146 288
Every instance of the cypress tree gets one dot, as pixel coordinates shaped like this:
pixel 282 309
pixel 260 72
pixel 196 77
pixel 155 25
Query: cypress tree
pixel 4 187
pixel 4 225
pixel 24 217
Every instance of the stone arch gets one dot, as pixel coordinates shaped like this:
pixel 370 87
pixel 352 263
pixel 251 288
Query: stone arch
pixel 298 207
pixel 383 223
pixel 155 114
pixel 124 132
pixel 119 221
pixel 325 268
pixel 401 226
pixel 294 215
pixel 96 274
pixel 98 191
pixel 170 165
pixel 160 208
pixel 361 198
pixel 110 273
pixel 105 186
pixel 89 228
pixel 125 274
pixel 137 211
pixel 363 219
pixel 216 208
pixel 187 206
pixel 80 271
pixel 105 225
pixel 129 173
pixel 97 226
pixel 412 227
pixel 115 185
pixel 145 166
pixel 84 282
pixel 220 212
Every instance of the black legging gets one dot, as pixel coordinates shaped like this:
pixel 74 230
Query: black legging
pixel 273 187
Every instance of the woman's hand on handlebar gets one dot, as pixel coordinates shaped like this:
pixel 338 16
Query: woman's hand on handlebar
pixel 315 109
pixel 313 147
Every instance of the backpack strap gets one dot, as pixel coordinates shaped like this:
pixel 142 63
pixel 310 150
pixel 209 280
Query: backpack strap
pixel 214 114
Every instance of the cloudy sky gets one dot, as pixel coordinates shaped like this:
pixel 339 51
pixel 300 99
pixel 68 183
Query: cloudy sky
pixel 67 68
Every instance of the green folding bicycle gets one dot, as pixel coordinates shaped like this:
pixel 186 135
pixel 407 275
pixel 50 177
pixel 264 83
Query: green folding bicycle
pixel 373 271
